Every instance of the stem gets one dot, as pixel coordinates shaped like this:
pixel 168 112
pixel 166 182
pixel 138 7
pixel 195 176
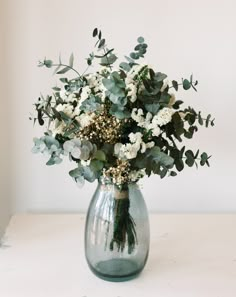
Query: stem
pixel 124 232
pixel 107 59
pixel 85 70
pixel 180 84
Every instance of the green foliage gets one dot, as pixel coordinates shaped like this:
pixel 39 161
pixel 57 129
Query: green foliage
pixel 204 159
pixel 155 161
pixel 119 111
pixel 139 50
pixel 115 89
pixel 47 63
pixel 125 66
pixel 175 85
pixel 153 108
pixel 99 155
pixel 91 104
pixel 186 84
pixel 50 147
pixel 177 104
pixel 70 115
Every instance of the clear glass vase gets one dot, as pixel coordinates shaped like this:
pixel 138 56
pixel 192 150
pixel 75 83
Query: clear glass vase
pixel 117 232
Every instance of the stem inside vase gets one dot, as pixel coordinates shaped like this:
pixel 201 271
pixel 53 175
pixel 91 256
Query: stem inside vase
pixel 124 232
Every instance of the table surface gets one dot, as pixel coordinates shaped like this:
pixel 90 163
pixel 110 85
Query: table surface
pixel 190 255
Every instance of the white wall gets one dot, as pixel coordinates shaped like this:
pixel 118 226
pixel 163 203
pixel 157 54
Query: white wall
pixel 5 161
pixel 183 36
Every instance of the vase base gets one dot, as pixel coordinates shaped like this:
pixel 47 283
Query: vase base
pixel 116 270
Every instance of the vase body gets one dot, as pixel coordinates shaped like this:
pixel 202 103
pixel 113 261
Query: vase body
pixel 117 232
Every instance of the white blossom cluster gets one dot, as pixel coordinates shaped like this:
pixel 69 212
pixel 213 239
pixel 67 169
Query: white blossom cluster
pixel 135 175
pixel 150 122
pixel 131 149
pixel 95 84
pixel 84 119
pixel 132 83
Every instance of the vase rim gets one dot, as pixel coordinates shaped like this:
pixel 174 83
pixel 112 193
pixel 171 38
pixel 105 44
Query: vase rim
pixel 109 186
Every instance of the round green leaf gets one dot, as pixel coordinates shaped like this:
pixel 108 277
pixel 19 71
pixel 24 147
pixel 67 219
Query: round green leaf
pixel 140 39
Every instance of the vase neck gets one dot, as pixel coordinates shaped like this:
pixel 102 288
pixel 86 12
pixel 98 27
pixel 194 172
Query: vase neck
pixel 118 191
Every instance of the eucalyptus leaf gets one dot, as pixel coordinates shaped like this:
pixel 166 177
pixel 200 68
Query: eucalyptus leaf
pixel 95 32
pixel 153 108
pixel 71 60
pixel 99 155
pixel 175 85
pixel 186 84
pixel 108 60
pixel 125 66
pixel 140 40
pixel 160 76
pixel 64 70
pixel 101 43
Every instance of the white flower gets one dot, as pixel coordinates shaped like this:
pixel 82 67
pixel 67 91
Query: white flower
pixel 77 111
pixel 132 93
pixel 135 175
pixel 85 119
pixel 129 150
pixel 86 91
pixel 135 137
pixel 148 117
pixel 85 163
pixel 137 116
pixel 57 127
pixel 150 144
pixel 104 70
pixel 63 95
pixel 71 97
pixel 101 91
pixel 66 108
pixel 156 131
pixel 129 79
pixel 163 117
pixel 92 80
pixel 145 146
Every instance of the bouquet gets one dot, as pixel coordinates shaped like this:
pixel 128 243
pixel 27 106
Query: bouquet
pixel 119 123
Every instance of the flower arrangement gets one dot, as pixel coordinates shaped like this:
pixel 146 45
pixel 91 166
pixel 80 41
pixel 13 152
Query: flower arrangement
pixel 117 125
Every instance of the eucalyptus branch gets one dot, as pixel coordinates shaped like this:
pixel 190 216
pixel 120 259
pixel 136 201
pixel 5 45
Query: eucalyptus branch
pixel 181 84
pixel 71 68
pixel 49 64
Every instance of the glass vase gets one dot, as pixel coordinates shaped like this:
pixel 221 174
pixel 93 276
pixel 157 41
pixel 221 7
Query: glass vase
pixel 117 232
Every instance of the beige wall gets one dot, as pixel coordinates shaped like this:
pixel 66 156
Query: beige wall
pixel 5 129
pixel 183 36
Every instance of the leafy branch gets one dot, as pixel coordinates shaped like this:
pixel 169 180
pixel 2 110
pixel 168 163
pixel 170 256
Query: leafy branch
pixel 108 58
pixel 186 83
pixel 58 70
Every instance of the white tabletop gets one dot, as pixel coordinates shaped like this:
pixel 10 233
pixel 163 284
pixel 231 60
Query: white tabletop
pixel 191 255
